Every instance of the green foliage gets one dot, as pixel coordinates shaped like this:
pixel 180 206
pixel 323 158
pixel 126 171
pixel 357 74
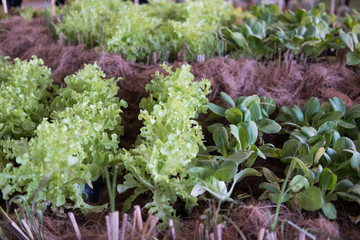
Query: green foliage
pixel 169 140
pixel 268 30
pixel 166 28
pixel 24 96
pixel 321 160
pixel 249 120
pixel 69 149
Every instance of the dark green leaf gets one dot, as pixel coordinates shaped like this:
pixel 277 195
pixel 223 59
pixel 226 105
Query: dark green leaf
pixel 270 187
pixel 327 180
pixel 311 107
pixel 234 115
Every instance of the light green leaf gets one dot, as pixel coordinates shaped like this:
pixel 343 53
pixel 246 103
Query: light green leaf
pixel 268 126
pixel 299 182
pixel 311 199
pixel 329 210
pixel 217 109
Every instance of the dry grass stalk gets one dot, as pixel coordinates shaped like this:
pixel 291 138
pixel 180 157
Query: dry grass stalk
pixel 123 226
pixel 27 228
pixel 172 229
pixel 53 9
pixel 5 6
pixel 75 225
pixel 137 218
pixel 261 234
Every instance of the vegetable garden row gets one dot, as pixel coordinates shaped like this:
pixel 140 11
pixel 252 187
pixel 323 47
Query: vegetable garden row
pixel 67 126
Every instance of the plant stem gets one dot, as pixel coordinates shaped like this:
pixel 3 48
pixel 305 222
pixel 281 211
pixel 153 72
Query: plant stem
pixel 281 194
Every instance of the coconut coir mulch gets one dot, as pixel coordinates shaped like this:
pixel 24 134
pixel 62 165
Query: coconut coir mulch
pixel 288 83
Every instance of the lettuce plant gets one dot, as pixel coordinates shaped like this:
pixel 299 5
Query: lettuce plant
pixel 169 140
pixel 70 148
pixel 24 96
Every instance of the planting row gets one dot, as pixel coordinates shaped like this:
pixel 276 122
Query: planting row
pixel 54 141
pixel 204 28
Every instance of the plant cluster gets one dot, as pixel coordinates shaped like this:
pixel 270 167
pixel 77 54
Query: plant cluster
pixel 169 30
pixel 70 145
pixel 169 140
pixel 163 28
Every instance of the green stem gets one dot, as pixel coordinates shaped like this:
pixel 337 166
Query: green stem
pixel 108 184
pixel 282 193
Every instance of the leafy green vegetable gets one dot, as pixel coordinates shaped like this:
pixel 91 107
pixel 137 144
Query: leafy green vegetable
pixel 24 96
pixel 169 140
pixel 71 148
pixel 166 30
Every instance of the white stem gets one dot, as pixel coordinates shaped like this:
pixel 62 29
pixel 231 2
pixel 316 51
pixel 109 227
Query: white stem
pixel 332 8
pixel 5 6
pixel 53 12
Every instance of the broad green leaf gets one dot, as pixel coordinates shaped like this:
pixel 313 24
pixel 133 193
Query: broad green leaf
pixel 319 153
pixel 329 116
pixel 299 182
pixel 235 132
pixel 270 176
pixel 270 187
pixel 226 171
pixel 214 126
pixel 311 107
pixel 346 124
pixel 355 161
pixel 269 150
pixel 217 109
pixel 252 132
pixel 241 156
pixel 248 101
pixel 228 99
pixel 268 126
pixel 203 172
pixel 352 59
pixel 343 185
pixel 327 180
pixel 297 114
pixel 347 40
pixel 342 144
pixel 354 190
pixel 255 111
pixel 311 199
pixel 268 104
pixel 290 147
pixel 234 115
pixel 220 137
pixel 247 172
pixel 329 210
pixel 349 197
pixel 337 104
